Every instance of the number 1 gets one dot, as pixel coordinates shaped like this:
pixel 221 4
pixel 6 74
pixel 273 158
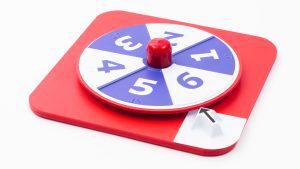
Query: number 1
pixel 213 53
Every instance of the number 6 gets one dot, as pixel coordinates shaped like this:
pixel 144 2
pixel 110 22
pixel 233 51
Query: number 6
pixel 189 82
pixel 143 84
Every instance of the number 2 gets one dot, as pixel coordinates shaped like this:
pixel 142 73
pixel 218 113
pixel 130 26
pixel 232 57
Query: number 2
pixel 173 35
pixel 127 45
pixel 144 86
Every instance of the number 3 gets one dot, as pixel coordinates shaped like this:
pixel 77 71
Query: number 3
pixel 143 84
pixel 127 45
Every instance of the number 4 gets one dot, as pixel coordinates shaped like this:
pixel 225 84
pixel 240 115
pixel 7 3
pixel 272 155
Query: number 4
pixel 110 65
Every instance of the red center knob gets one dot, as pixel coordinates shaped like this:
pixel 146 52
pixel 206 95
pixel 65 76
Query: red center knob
pixel 159 53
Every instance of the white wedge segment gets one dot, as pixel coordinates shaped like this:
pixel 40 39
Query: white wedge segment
pixel 213 84
pixel 181 37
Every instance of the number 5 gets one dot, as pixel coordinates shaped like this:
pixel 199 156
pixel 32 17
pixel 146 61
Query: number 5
pixel 144 85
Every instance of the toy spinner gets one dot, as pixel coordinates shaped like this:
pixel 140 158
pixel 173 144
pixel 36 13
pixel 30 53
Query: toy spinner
pixel 166 71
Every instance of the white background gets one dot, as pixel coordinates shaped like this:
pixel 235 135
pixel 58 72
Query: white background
pixel 34 35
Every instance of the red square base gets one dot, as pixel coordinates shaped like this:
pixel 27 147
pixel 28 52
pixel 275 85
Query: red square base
pixel 61 97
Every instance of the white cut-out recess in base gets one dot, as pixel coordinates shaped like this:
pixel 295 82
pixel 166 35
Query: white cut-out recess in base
pixel 181 37
pixel 92 59
pixel 231 127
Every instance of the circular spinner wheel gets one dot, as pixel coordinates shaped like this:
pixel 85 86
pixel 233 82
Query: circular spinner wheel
pixel 128 70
